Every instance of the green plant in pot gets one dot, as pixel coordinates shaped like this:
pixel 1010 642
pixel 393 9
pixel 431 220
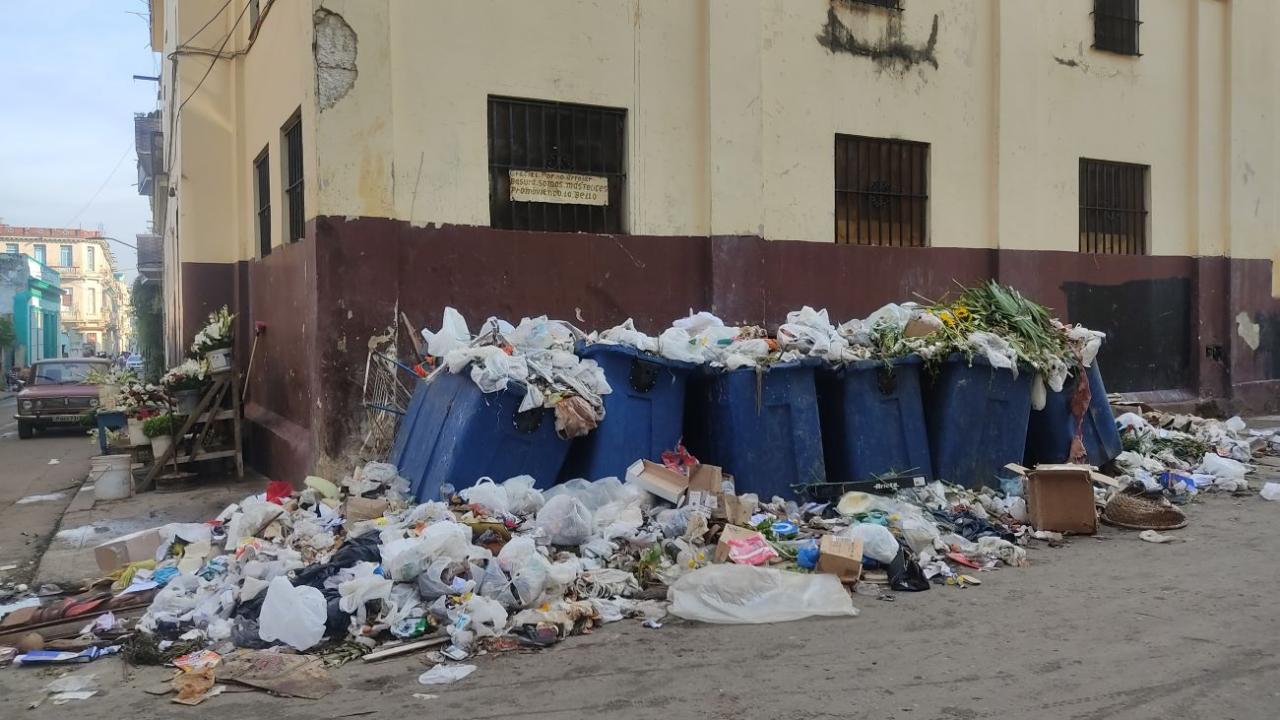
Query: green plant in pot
pixel 161 429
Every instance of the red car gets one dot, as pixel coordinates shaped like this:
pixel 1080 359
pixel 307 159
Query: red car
pixel 56 395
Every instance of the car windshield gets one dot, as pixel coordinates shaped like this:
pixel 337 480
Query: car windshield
pixel 62 373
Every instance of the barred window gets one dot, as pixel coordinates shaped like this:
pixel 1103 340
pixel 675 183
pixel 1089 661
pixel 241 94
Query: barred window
pixel 882 191
pixel 890 4
pixel 296 229
pixel 568 163
pixel 1113 207
pixel 1115 26
pixel 262 201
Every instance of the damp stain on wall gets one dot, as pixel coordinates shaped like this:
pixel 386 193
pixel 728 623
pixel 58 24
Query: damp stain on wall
pixel 890 51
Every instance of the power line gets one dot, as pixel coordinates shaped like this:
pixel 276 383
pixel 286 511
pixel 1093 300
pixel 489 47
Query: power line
pixel 177 113
pixel 207 23
pixel 97 192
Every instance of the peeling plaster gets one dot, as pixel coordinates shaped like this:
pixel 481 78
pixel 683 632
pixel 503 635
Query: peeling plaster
pixel 335 48
pixel 1248 330
pixel 890 52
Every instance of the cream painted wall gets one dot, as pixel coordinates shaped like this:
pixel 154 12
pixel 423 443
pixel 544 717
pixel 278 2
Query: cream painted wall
pixel 733 106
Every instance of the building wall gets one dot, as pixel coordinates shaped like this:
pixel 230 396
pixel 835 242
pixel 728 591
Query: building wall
pixel 732 111
pixel 89 309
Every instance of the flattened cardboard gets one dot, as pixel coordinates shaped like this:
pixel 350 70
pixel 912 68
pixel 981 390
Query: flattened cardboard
pixel 1060 499
pixel 840 556
pixel 658 480
pixel 140 545
pixel 730 532
pixel 359 508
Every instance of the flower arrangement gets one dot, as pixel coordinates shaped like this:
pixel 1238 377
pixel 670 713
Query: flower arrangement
pixel 216 335
pixel 141 400
pixel 111 376
pixel 190 375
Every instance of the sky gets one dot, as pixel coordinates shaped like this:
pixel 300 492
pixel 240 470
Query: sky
pixel 67 99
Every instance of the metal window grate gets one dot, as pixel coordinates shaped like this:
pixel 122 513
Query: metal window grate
pixel 882 191
pixel 293 180
pixel 262 189
pixel 890 4
pixel 558 137
pixel 1115 26
pixel 1113 207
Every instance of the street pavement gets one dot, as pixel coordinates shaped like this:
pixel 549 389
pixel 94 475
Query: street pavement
pixel 27 471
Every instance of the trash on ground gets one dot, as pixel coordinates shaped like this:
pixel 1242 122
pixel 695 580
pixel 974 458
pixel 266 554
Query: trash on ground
pixel 445 674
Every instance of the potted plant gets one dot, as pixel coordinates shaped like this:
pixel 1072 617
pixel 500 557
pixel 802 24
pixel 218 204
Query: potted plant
pixel 186 383
pixel 213 342
pixel 139 402
pixel 160 430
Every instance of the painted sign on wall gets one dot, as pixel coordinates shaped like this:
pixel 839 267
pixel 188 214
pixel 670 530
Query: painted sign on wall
pixel 557 187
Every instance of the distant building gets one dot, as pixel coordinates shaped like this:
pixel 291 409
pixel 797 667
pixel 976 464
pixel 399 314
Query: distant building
pixel 91 290
pixel 30 294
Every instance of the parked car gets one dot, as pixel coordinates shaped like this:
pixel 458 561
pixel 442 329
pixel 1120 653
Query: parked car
pixel 56 394
pixel 134 362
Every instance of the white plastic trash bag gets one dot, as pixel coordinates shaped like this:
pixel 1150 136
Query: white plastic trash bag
pixel 747 594
pixel 487 494
pixel 292 615
pixel 877 542
pixel 1270 491
pixel 522 496
pixel 454 333
pixel 566 520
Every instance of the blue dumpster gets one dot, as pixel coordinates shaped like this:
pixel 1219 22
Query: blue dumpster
pixel 873 420
pixel 643 416
pixel 977 419
pixel 761 426
pixel 454 433
pixel 1050 430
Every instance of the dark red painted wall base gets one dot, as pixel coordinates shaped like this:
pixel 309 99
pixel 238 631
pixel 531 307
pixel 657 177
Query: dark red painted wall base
pixel 1173 317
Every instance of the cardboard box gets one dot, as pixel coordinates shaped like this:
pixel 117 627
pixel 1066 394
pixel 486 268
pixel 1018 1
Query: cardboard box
pixel 357 508
pixel 657 479
pixel 737 511
pixel 141 545
pixel 841 556
pixel 730 532
pixel 706 485
pixel 1060 499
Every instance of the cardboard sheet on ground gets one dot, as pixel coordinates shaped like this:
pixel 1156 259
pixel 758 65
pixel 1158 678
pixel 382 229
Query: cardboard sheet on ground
pixel 301 676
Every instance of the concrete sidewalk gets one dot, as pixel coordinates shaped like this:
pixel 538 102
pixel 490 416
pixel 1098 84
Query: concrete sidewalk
pixel 87 523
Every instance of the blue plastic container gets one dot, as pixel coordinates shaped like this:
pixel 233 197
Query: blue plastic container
pixel 643 416
pixel 761 427
pixel 873 420
pixel 977 420
pixel 1050 430
pixel 454 433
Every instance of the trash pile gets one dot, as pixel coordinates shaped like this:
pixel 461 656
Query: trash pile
pixel 1184 454
pixel 357 570
pixel 537 355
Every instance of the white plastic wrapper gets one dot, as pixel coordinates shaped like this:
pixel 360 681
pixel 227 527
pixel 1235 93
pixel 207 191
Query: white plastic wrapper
pixel 453 334
pixel 292 615
pixel 747 594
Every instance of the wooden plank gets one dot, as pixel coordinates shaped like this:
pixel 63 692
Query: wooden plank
pixel 235 427
pixel 150 481
pixel 198 445
pixel 405 649
pixel 206 456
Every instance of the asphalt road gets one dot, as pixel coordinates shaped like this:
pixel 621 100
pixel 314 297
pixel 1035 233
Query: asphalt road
pixel 27 471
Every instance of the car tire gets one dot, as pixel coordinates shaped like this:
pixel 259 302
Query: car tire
pixel 26 430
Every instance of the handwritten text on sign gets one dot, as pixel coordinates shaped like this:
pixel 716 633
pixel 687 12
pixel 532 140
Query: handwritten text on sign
pixel 555 187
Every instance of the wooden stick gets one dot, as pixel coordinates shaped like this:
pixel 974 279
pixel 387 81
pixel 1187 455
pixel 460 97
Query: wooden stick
pixel 405 649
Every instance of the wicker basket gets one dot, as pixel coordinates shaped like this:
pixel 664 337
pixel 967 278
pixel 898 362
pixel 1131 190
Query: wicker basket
pixel 1139 512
